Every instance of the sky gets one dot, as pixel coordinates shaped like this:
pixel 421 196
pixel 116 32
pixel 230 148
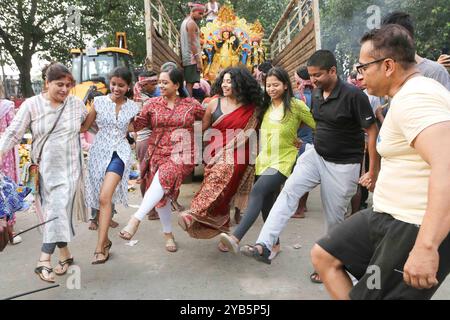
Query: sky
pixel 37 65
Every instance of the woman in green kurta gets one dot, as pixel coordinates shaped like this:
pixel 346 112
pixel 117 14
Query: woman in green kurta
pixel 278 138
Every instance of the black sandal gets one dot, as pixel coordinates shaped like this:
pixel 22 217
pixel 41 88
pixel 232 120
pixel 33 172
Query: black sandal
pixel 68 262
pixel 101 261
pixel 314 277
pixel 252 251
pixel 38 271
pixel 105 252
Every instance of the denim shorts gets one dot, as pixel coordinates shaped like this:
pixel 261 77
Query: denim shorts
pixel 116 165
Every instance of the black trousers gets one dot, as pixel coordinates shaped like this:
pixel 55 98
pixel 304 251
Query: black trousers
pixel 262 197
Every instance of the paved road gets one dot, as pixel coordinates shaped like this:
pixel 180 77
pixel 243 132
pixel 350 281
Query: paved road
pixel 197 271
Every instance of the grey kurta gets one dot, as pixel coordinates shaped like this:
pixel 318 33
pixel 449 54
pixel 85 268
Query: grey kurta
pixel 60 165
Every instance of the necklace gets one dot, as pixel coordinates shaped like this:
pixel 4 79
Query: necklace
pixel 407 78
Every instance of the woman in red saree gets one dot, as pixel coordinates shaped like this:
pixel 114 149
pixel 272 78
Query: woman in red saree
pixel 233 118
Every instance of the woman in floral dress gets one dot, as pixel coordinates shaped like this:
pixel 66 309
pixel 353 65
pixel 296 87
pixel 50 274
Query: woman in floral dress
pixel 170 156
pixel 110 155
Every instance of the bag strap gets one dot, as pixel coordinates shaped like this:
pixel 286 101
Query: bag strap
pixel 50 132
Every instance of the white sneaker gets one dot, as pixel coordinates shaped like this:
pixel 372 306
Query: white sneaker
pixel 17 240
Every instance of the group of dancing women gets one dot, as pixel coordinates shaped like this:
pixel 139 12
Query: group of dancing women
pixel 237 171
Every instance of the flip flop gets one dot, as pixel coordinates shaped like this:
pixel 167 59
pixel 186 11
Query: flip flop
pixel 314 277
pixel 39 271
pixel 67 262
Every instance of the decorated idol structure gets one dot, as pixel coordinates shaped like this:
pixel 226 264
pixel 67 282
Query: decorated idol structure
pixel 230 41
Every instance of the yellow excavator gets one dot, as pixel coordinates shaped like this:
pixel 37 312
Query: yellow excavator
pixel 91 67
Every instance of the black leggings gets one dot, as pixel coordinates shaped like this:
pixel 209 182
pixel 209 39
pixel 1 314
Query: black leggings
pixel 262 197
pixel 49 248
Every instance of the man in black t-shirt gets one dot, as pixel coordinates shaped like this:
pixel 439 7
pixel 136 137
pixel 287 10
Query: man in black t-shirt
pixel 342 113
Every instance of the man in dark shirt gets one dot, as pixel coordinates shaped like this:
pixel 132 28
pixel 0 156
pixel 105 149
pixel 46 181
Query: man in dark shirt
pixel 342 113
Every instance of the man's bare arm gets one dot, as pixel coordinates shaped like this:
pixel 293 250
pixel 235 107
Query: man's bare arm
pixel 423 262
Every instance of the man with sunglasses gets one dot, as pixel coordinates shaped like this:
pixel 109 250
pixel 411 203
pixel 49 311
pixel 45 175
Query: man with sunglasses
pixel 400 248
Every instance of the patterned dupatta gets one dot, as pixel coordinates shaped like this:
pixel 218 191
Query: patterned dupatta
pixel 210 207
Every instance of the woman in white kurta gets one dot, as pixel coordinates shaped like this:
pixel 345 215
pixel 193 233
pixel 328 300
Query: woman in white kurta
pixel 110 155
pixel 61 160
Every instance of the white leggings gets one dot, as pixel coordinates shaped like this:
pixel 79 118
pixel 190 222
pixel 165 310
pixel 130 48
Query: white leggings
pixel 152 196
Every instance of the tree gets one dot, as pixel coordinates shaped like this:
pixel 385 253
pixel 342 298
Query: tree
pixel 267 11
pixel 30 26
pixel 343 22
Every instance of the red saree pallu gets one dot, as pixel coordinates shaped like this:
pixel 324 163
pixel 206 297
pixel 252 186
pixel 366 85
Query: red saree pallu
pixel 210 207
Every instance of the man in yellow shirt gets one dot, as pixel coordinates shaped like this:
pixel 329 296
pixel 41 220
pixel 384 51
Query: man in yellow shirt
pixel 400 248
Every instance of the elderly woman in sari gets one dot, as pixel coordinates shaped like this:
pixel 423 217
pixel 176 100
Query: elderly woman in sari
pixel 232 115
pixel 60 168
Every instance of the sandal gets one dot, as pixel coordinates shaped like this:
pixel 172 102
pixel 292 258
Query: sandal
pixel 40 272
pixel 93 225
pixel 108 246
pixel 299 215
pixel 252 251
pixel 222 247
pixel 171 246
pixel 275 252
pixel 113 224
pixel 100 261
pixel 229 242
pixel 129 231
pixel 314 277
pixel 185 221
pixel 63 264
pixel 177 207
pixel 153 215
pixel 105 253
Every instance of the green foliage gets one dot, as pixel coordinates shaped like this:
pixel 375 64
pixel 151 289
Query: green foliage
pixel 267 11
pixel 343 22
pixel 30 26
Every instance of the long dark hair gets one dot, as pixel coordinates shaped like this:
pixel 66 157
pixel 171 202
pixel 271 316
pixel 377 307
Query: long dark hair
pixel 176 76
pixel 244 86
pixel 288 94
pixel 125 74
